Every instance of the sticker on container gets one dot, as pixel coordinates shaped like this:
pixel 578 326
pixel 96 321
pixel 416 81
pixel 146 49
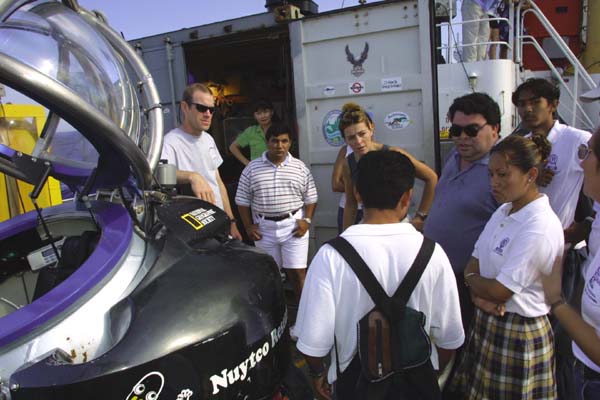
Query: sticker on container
pixel 331 128
pixel 329 91
pixel 357 64
pixel 356 87
pixel 397 120
pixel 391 84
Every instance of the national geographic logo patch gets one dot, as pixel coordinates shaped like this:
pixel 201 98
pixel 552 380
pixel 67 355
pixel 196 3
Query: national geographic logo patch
pixel 199 218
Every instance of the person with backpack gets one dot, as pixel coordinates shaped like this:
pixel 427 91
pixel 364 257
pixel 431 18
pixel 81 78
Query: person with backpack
pixel 509 353
pixel 414 332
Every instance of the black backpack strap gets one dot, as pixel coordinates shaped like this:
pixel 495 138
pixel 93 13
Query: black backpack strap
pixel 363 273
pixel 416 270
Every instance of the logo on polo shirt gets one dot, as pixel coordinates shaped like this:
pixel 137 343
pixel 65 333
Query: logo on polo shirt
pixel 552 162
pixel 592 287
pixel 500 248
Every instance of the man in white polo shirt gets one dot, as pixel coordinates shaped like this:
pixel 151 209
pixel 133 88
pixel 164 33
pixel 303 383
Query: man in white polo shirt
pixel 194 152
pixel 537 100
pixel 282 194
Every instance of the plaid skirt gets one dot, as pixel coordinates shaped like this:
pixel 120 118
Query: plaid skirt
pixel 509 357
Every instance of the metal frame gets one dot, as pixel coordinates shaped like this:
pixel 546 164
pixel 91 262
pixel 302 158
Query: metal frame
pixel 69 106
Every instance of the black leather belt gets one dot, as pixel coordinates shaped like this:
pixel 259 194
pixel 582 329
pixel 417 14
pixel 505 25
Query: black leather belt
pixel 280 217
pixel 588 373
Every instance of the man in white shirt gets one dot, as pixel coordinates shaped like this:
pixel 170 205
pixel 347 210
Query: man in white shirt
pixel 194 152
pixel 537 100
pixel 282 194
pixel 334 300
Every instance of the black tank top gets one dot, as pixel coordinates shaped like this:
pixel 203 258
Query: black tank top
pixel 353 164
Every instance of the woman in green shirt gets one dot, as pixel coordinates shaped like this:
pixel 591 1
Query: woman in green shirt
pixel 254 136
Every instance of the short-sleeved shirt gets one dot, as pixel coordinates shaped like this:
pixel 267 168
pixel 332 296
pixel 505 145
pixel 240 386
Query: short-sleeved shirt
pixel 462 205
pixel 195 154
pixel 254 137
pixel 564 189
pixel 515 249
pixel 590 307
pixel 273 190
pixel 333 299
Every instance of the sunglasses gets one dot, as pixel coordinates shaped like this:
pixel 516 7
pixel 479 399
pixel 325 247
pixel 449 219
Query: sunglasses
pixel 202 108
pixel 583 151
pixel 471 130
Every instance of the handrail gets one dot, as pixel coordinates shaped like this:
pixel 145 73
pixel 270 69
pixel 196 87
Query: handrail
pixel 535 10
pixel 452 39
pixel 556 73
pixel 579 69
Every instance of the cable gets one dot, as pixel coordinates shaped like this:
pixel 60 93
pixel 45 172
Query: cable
pixel 459 52
pixel 25 288
pixel 46 230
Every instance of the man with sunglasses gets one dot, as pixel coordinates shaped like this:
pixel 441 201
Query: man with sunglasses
pixel 194 152
pixel 463 200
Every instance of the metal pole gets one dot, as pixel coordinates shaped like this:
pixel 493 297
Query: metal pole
pixel 169 48
pixel 575 93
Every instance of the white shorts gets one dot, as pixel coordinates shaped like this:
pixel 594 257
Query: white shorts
pixel 278 240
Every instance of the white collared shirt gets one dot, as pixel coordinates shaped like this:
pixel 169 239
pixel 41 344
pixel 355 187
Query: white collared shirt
pixel 333 299
pixel 564 189
pixel 273 190
pixel 590 307
pixel 516 248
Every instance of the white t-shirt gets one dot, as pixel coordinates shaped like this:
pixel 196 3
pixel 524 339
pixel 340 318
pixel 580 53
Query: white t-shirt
pixel 590 307
pixel 515 249
pixel 333 299
pixel 196 154
pixel 564 189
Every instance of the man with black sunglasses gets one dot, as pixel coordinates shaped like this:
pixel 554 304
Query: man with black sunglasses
pixel 463 200
pixel 194 152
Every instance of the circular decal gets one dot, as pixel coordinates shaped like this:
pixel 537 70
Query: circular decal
pixel 331 128
pixel 357 88
pixel 397 120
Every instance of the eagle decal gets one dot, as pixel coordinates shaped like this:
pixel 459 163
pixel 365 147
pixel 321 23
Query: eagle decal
pixel 357 68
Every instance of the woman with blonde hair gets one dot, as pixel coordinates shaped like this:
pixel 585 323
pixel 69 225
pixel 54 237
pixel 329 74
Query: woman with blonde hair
pixel 358 130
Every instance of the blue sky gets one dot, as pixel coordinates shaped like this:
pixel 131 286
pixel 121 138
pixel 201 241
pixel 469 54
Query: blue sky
pixel 136 18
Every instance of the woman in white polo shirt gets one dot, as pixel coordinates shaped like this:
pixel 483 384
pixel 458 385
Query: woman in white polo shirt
pixel 584 329
pixel 509 352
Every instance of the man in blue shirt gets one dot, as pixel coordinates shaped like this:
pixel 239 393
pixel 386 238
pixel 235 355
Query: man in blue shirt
pixel 463 200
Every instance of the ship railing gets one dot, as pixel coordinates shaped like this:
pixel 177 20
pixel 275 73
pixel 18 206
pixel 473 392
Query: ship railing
pixel 579 72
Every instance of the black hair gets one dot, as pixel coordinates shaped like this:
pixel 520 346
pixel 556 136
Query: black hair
pixel 278 129
pixel 524 153
pixel 477 103
pixel 353 114
pixel 383 177
pixel 262 104
pixel 539 87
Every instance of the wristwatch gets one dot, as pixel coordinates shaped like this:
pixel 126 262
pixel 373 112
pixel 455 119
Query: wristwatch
pixel 422 215
pixel 307 220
